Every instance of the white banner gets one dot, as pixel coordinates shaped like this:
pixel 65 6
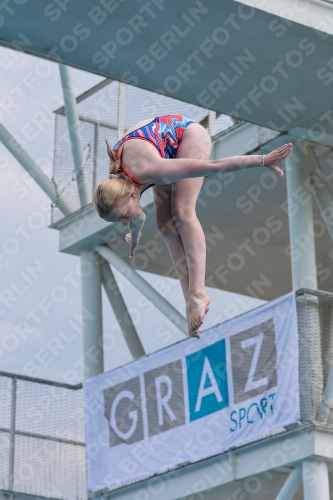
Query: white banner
pixel 194 399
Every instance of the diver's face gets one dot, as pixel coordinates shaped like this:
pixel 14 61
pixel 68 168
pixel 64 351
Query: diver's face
pixel 128 212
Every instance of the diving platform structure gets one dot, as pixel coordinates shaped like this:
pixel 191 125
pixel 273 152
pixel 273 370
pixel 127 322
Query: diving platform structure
pixel 42 436
pixel 271 235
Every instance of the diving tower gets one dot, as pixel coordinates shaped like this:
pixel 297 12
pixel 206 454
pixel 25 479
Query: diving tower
pixel 274 234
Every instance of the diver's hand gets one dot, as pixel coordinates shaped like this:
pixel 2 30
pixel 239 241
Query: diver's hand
pixel 135 228
pixel 133 242
pixel 273 159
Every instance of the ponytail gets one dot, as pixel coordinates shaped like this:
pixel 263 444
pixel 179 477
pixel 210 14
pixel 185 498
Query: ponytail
pixel 115 163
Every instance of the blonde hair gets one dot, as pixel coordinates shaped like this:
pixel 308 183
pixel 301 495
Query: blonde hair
pixel 112 192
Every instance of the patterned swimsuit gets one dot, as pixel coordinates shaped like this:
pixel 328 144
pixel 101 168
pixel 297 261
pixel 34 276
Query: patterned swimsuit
pixel 164 132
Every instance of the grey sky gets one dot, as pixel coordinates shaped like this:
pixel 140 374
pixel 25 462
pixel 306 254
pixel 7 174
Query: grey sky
pixel 39 287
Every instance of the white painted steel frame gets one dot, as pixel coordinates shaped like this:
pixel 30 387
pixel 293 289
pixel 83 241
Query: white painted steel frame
pixel 95 161
pixel 303 265
pixel 85 229
pixel 303 133
pixel 121 110
pixel 315 479
pixel 301 165
pixel 155 298
pixel 324 199
pixel 327 401
pixel 291 485
pixel 242 139
pixel 12 434
pixel 322 193
pixel 212 123
pixel 35 171
pixel 315 14
pixel 75 135
pixel 118 305
pixel 92 321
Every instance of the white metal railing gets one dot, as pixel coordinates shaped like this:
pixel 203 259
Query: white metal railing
pixel 41 432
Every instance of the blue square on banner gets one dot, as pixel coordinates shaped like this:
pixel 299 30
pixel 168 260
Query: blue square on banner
pixel 207 380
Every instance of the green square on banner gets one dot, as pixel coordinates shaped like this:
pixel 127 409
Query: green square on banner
pixel 207 380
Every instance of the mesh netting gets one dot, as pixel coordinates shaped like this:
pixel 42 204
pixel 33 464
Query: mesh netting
pixel 49 411
pixel 49 468
pixel 6 401
pixel 42 440
pixel 98 114
pixel 4 460
pixel 315 327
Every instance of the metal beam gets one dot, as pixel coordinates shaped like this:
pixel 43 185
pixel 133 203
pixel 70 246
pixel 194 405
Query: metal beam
pixel 312 136
pixel 120 310
pixel 327 400
pixel 82 97
pixel 11 495
pixel 93 121
pixel 95 162
pixel 75 135
pixel 121 110
pixel 315 479
pixel 291 485
pixel 212 123
pixel 40 381
pixel 324 199
pixel 136 280
pixel 321 191
pixel 34 170
pixel 303 253
pixel 50 438
pixel 311 13
pixel 303 265
pixel 12 435
pixel 92 322
pixel 243 138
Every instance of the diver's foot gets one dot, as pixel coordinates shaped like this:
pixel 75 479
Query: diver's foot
pixel 195 334
pixel 197 308
pixel 274 158
pixel 207 305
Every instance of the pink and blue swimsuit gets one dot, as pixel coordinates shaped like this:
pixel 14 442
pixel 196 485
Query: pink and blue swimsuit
pixel 164 132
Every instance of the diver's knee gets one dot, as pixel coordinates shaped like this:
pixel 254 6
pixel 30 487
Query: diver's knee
pixel 166 227
pixel 182 214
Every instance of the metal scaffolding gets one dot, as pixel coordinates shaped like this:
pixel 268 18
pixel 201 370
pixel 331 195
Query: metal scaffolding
pixel 302 165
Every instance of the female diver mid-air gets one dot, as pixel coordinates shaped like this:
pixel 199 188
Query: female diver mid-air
pixel 141 159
